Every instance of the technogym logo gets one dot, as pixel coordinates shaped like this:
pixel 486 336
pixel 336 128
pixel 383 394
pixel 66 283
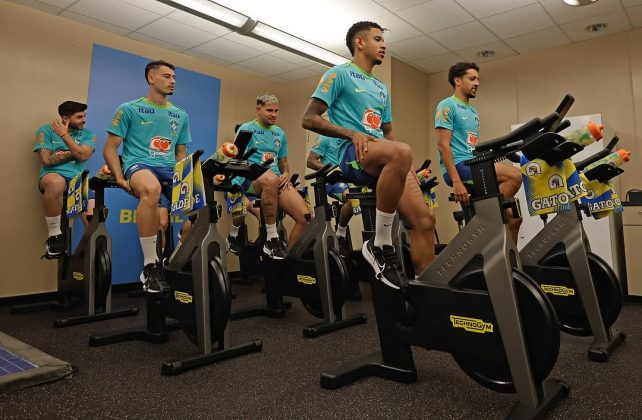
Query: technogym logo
pixel 557 290
pixel 182 297
pixel 307 280
pixel 471 324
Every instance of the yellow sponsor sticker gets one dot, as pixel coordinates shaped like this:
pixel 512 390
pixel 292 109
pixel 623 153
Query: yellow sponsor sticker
pixel 471 324
pixel 183 297
pixel 557 290
pixel 305 279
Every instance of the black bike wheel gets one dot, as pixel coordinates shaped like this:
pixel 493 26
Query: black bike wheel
pixel 482 355
pixel 102 267
pixel 572 316
pixel 338 282
pixel 220 303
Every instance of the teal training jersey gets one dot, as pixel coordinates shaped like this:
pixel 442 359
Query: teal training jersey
pixel 150 132
pixel 462 120
pixel 46 138
pixel 356 100
pixel 270 142
pixel 327 148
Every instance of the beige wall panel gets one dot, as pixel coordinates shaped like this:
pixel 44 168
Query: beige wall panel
pixel 46 59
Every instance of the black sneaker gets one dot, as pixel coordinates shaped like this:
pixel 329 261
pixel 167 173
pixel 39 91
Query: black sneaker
pixel 385 263
pixel 275 249
pixel 153 279
pixel 54 247
pixel 234 244
pixel 344 250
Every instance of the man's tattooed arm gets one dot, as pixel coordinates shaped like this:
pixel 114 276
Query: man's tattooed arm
pixel 49 158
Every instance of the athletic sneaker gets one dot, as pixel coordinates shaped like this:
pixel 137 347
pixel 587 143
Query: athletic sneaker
pixel 153 279
pixel 385 263
pixel 234 244
pixel 344 250
pixel 275 249
pixel 54 247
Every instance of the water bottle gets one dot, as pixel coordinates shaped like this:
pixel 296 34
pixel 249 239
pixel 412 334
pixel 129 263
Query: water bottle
pixel 226 152
pixel 424 175
pixel 614 159
pixel 587 134
pixel 218 179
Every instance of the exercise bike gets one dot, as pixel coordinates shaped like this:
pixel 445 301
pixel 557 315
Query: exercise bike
pixel 472 302
pixel 200 298
pixel 559 259
pixel 314 271
pixel 84 273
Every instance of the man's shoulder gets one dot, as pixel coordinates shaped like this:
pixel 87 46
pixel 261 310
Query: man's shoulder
pixel 132 103
pixel 88 133
pixel 174 106
pixel 445 102
pixel 46 128
pixel 277 129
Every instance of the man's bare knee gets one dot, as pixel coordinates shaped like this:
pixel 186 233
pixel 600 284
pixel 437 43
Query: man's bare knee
pixel 425 222
pixel 268 180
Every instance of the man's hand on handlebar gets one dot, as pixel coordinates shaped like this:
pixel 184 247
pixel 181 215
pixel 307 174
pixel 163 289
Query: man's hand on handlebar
pixel 460 192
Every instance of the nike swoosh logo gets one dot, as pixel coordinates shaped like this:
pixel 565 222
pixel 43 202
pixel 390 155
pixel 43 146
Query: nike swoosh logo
pixel 464 118
pixel 359 90
pixel 146 122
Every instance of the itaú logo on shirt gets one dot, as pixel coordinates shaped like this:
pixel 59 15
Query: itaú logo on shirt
pixel 371 120
pixel 267 156
pixel 159 146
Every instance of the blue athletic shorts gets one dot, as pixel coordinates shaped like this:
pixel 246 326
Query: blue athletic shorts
pixel 164 175
pixel 464 172
pixel 337 190
pixel 353 170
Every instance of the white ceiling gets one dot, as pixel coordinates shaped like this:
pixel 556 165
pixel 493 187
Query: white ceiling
pixel 430 35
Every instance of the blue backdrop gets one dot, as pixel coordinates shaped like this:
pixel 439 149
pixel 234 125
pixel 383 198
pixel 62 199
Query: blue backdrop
pixel 117 77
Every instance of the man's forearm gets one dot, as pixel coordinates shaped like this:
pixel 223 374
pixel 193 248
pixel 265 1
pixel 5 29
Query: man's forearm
pixel 314 164
pixel 322 126
pixel 49 158
pixel 449 162
pixel 78 152
pixel 113 163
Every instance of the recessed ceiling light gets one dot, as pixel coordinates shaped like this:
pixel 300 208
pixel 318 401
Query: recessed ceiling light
pixel 579 2
pixel 485 53
pixel 596 27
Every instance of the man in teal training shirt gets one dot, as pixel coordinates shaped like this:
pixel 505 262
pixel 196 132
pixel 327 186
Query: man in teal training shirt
pixel 63 148
pixel 273 187
pixel 369 153
pixel 154 133
pixel 457 127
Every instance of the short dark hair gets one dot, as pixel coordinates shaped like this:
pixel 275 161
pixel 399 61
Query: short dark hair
pixel 156 64
pixel 358 28
pixel 459 69
pixel 69 108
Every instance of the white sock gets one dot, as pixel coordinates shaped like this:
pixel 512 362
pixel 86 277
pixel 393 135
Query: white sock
pixel 149 250
pixel 383 233
pixel 271 231
pixel 341 231
pixel 235 231
pixel 53 225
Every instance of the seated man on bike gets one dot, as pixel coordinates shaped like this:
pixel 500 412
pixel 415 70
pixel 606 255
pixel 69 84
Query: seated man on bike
pixel 369 153
pixel 457 128
pixel 63 148
pixel 323 153
pixel 273 187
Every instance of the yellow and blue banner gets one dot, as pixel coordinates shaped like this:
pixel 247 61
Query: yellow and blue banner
pixel 77 196
pixel 601 198
pixel 550 188
pixel 187 188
